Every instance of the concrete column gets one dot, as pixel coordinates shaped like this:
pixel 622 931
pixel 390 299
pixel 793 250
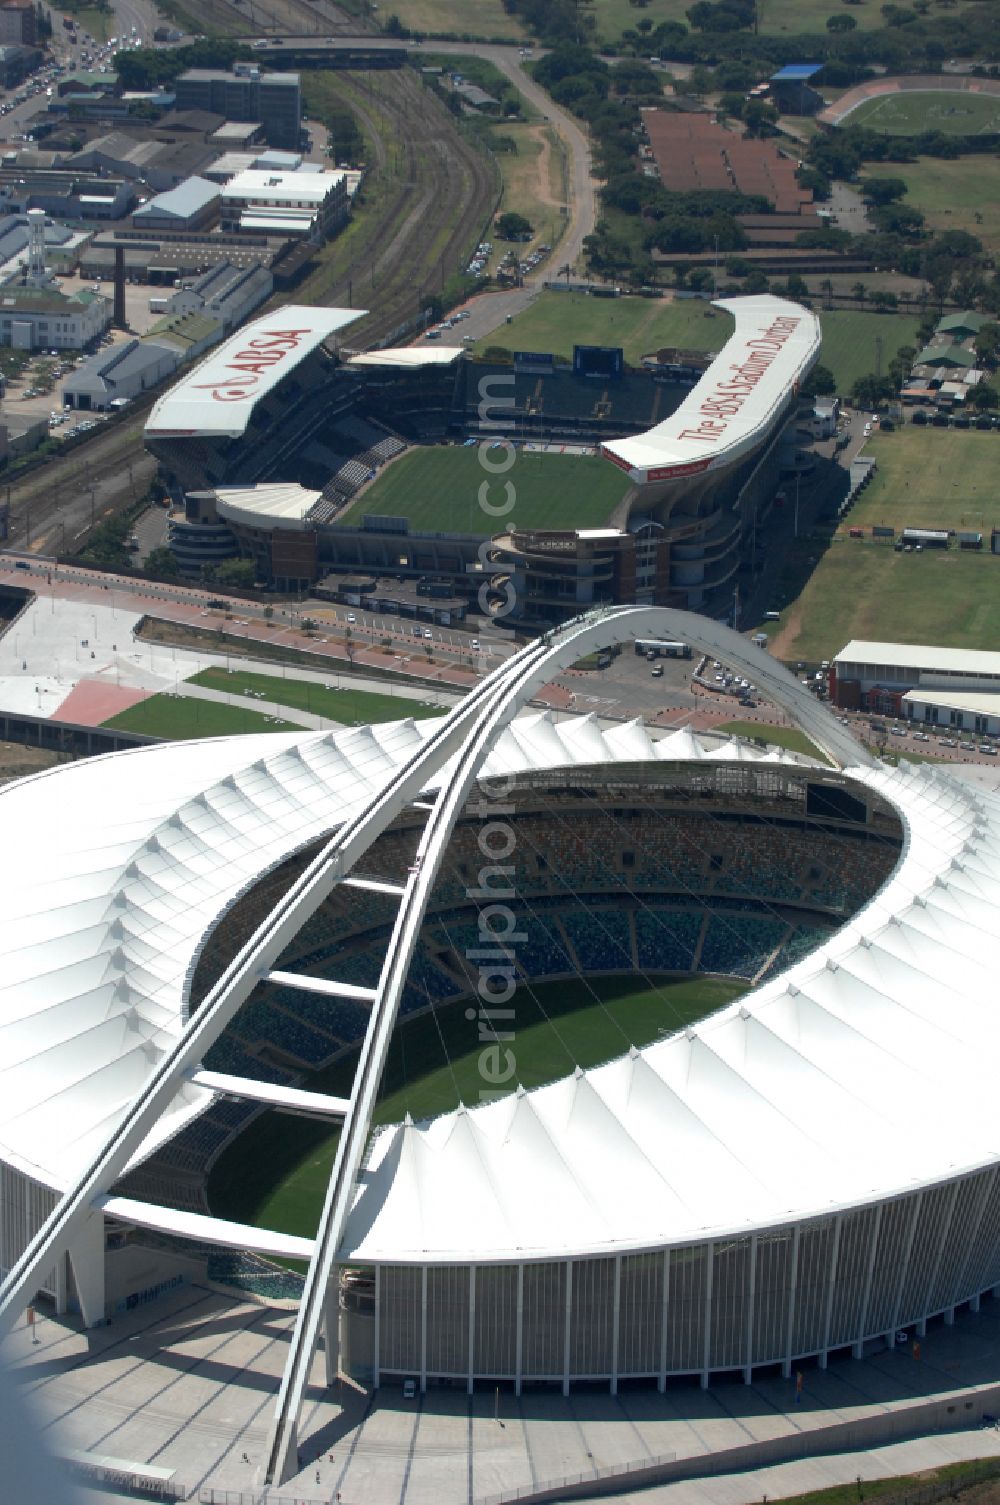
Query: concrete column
pixel 922 1328
pixel 615 1319
pixel 859 1342
pixel 472 1328
pixel 423 1329
pixel 831 1291
pixel 751 1298
pixel 793 1286
pixel 568 1319
pixel 706 1346
pixel 904 1264
pixel 974 1303
pixel 377 1331
pixel 519 1345
pixel 661 1383
pixel 86 1255
pixel 949 1317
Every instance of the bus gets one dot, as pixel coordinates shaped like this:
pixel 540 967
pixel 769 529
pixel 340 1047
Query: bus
pixel 656 648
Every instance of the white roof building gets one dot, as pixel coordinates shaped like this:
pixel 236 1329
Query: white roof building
pixel 744 391
pixel 906 665
pixel 218 395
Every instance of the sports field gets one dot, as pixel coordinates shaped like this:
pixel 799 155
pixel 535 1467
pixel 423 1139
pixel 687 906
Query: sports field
pixel 179 718
pixel 346 705
pixel 557 321
pixel 438 489
pixel 931 478
pixel 275 1174
pixel 488 18
pixel 959 195
pixel 914 110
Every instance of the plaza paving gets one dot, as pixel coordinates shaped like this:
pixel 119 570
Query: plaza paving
pixel 189 1383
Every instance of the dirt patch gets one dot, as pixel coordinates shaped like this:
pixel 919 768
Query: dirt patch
pixel 782 645
pixel 17 761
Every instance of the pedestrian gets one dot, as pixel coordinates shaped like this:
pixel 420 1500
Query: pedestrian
pixel 245 1458
pixel 317 1476
pixel 799 1382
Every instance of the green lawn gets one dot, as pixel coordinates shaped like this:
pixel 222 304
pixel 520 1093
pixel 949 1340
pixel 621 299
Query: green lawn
pixel 178 718
pixel 438 488
pixel 487 18
pixel 557 321
pixel 275 1174
pixel 851 341
pixel 897 1491
pixel 909 113
pixel 861 589
pixel 347 705
pixel 777 736
pixel 959 195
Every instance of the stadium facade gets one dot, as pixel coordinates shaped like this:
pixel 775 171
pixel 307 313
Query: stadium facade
pixel 810 1167
pixel 703 478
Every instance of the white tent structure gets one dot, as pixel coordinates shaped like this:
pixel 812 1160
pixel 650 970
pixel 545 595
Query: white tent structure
pixel 807 1168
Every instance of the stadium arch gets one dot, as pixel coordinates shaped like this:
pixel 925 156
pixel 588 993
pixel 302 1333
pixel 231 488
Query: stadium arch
pixel 897 1224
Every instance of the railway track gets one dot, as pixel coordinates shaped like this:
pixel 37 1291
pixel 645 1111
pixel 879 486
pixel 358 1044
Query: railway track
pixel 432 193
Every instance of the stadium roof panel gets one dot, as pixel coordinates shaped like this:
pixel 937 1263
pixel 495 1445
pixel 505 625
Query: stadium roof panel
pixel 746 388
pixel 796 73
pixel 920 656
pixel 281 503
pixel 409 355
pixel 218 395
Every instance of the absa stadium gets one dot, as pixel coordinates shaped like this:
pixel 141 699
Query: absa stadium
pixel 189 932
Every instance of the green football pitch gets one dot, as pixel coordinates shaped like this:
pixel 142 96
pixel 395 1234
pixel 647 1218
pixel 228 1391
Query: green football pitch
pixel 275 1174
pixel 916 110
pixel 440 489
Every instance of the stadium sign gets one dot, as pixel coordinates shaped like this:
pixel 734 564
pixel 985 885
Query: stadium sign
pixel 724 401
pixel 246 367
pixel 662 472
pixel 217 398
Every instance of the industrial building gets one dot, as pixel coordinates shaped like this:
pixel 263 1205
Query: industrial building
pixel 957 687
pixel 271 201
pixel 119 374
pixel 248 94
pixel 192 205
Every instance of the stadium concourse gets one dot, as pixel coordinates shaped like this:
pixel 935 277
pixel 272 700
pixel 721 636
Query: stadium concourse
pixel 762 1192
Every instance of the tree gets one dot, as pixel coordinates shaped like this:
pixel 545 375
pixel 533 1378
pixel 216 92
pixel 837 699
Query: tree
pixel 982 397
pixel 826 287
pixel 840 23
pixel 882 190
pixel 242 572
pixel 161 561
pixel 884 301
pixel 859 290
pixel 820 382
pixel 512 226
pixel 988 342
pixel 870 391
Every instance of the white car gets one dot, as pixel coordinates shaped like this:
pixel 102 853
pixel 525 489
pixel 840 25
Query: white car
pixel 351 618
pixel 428 633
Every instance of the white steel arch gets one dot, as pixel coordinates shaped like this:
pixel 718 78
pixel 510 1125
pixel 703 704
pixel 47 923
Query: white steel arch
pixel 465 735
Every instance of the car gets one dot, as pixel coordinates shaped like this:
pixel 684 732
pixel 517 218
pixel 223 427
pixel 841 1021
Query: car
pixel 657 671
pixel 921 737
pixel 986 747
pixel 409 1389
pixel 948 742
pixel 428 633
pixel 351 618
pixel 474 643
pixel 967 746
pixel 897 731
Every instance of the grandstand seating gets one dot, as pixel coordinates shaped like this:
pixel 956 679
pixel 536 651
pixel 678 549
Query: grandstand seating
pixel 601 938
pixel 740 945
pixel 598 889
